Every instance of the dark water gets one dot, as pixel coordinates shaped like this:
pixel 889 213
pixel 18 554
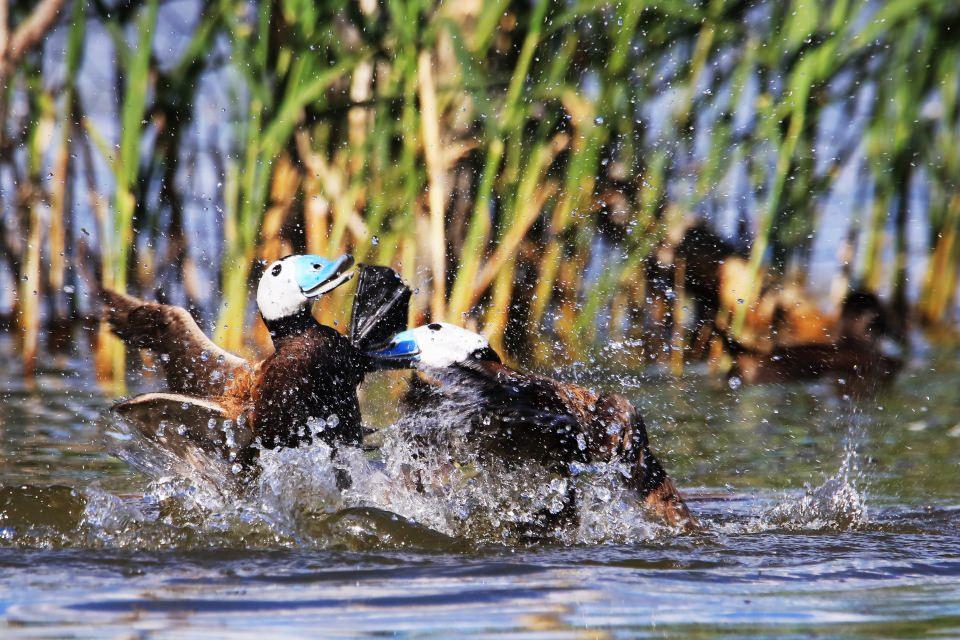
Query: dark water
pixel 821 517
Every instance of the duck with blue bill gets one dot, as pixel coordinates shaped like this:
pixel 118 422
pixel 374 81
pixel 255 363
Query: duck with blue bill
pixel 310 379
pixel 519 417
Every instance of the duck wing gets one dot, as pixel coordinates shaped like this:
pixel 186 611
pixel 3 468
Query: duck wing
pixel 181 424
pixel 379 308
pixel 193 364
pixel 526 416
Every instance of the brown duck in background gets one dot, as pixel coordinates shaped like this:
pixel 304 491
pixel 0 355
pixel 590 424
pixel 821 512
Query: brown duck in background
pixel 785 335
pixel 855 357
pixel 515 417
pixel 716 276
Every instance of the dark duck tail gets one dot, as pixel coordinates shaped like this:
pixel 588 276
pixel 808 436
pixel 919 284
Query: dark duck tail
pixel 651 481
pixel 380 308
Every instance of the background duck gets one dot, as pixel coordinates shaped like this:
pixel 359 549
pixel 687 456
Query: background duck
pixel 306 389
pixel 716 275
pixel 519 417
pixel 856 356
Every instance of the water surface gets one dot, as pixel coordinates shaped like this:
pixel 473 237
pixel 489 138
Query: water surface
pixel 821 516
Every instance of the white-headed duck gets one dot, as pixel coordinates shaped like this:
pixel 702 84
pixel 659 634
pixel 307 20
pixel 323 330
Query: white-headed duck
pixel 520 416
pixel 310 379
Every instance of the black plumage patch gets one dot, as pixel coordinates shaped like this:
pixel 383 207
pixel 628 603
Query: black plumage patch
pixel 485 354
pixel 379 308
pixel 312 374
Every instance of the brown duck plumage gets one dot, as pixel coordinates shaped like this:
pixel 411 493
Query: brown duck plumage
pixel 305 389
pixel 855 357
pixel 517 416
pixel 313 373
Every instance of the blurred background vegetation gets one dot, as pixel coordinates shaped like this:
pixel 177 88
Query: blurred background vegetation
pixel 520 163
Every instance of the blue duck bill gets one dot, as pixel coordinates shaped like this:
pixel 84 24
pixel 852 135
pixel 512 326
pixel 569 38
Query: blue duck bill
pixel 316 274
pixel 401 346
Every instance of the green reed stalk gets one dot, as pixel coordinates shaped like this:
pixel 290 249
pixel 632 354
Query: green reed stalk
pixel 478 230
pixel 118 239
pixel 29 289
pixel 501 267
pixel 60 201
pixel 800 23
pixel 645 236
pixel 576 191
pixel 269 128
pixel 383 166
pixel 939 289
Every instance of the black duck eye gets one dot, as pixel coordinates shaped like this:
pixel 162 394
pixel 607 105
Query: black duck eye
pixel 276 269
pixel 434 326
pixel 317 265
pixel 484 354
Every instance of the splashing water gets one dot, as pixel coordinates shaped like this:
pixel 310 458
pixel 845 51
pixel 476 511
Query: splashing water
pixel 447 488
pixel 175 549
pixel 836 504
pixel 429 474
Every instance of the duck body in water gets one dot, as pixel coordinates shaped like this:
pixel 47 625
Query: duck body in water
pixel 305 390
pixel 516 417
pixel 856 357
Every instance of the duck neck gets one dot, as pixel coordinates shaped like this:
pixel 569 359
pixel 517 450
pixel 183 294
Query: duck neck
pixel 295 324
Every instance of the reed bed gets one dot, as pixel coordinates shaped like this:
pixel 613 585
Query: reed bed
pixel 520 163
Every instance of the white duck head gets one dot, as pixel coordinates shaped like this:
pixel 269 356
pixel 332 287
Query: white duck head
pixel 435 346
pixel 289 285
